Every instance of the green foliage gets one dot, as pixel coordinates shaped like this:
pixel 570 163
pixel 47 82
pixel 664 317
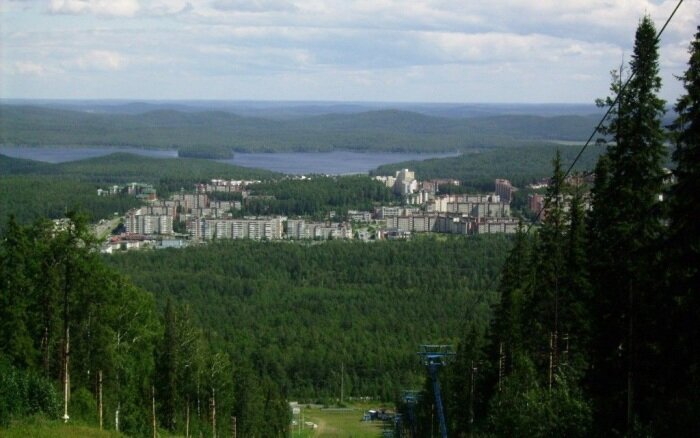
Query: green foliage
pixel 305 310
pixel 30 192
pixel 83 406
pixel 679 402
pixel 30 197
pixel 52 278
pixel 23 393
pixel 478 169
pixel 627 220
pixel 317 196
pixel 41 427
pixel 525 379
pixel 523 408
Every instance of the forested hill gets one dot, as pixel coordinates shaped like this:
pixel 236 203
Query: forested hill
pixel 123 167
pixel 309 310
pixel 30 190
pixel 384 130
pixel 477 169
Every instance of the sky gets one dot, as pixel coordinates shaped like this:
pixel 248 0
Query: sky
pixel 497 51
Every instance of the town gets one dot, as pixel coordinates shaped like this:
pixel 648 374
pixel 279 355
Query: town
pixel 196 216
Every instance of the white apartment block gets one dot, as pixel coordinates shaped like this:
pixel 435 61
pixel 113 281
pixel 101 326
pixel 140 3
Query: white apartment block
pixel 138 223
pixel 359 216
pixel 258 229
pixel 299 229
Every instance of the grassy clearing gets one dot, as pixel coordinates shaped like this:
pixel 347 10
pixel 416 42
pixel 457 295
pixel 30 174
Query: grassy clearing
pixel 42 428
pixel 337 423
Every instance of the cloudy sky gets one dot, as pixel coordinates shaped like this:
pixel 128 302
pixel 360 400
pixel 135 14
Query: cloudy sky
pixel 339 50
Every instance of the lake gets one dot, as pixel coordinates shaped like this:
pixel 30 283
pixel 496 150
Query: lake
pixel 297 163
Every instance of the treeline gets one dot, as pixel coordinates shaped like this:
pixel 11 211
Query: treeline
pixel 31 197
pixel 30 190
pixel 71 325
pixel 522 165
pixel 312 311
pixel 317 196
pixel 386 130
pixel 596 330
pixel 120 168
pixel 208 152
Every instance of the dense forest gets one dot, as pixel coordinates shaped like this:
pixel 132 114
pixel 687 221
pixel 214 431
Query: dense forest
pixel 596 330
pixel 245 325
pixel 73 329
pixel 313 309
pixel 386 130
pixel 30 190
pixel 478 169
pixel 318 196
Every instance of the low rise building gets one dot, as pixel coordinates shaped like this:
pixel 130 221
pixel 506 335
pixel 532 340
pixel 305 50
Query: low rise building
pixel 299 229
pixel 359 216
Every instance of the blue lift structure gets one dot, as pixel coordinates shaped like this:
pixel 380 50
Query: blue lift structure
pixel 434 357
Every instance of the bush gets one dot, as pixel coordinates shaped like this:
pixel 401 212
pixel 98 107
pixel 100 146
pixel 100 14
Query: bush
pixel 83 406
pixel 25 393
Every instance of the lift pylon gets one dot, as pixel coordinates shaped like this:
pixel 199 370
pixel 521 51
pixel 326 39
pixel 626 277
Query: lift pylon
pixel 434 357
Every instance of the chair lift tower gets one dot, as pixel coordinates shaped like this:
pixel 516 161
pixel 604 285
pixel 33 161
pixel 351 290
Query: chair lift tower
pixel 435 357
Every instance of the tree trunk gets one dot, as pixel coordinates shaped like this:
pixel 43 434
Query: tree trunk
pixel 99 377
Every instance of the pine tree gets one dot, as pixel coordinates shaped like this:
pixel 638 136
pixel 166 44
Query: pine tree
pixel 543 306
pixel 576 290
pixel 16 293
pixel 682 384
pixel 464 383
pixel 627 217
pixel 509 313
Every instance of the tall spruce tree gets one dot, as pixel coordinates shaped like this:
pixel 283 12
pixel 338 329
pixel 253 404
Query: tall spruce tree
pixel 507 331
pixel 576 291
pixel 682 384
pixel 544 301
pixel 16 293
pixel 627 217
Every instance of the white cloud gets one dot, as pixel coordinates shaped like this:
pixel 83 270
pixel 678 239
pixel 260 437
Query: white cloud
pixel 158 8
pixel 101 60
pixel 255 6
pixel 106 8
pixel 33 69
pixel 428 49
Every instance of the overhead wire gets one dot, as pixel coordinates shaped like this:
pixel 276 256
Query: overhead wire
pixel 602 120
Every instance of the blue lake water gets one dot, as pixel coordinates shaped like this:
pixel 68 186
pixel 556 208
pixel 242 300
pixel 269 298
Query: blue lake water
pixel 298 163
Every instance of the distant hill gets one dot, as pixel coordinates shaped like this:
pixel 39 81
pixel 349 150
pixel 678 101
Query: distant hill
pixel 122 167
pixel 479 169
pixel 380 130
pixel 298 109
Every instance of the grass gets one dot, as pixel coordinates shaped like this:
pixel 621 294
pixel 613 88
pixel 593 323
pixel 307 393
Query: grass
pixel 332 423
pixel 38 427
pixel 41 427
